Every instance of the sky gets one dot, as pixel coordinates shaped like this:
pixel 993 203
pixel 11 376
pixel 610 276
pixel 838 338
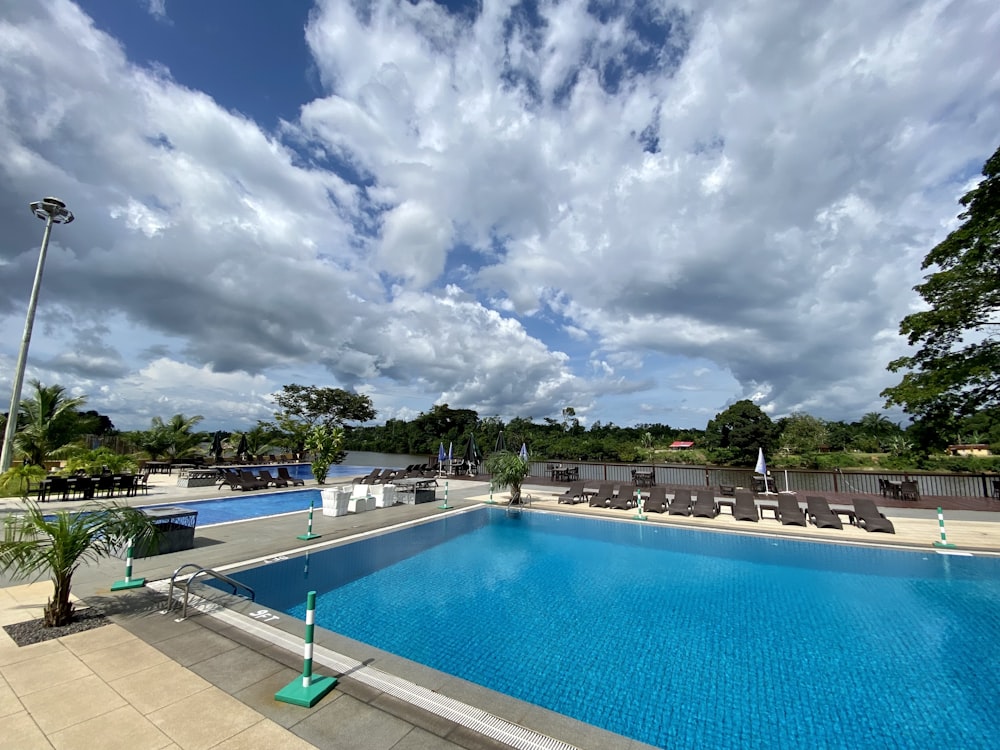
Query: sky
pixel 645 211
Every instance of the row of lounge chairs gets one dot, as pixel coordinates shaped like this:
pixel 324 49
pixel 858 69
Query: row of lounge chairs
pixel 702 503
pixel 385 476
pixel 244 479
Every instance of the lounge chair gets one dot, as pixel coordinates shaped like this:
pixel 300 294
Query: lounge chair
pixel 371 477
pixel 625 499
pixel 604 495
pixel 870 518
pixel 705 505
pixel 744 506
pixel 229 477
pixel 265 476
pixel 818 510
pixel 247 481
pixel 680 503
pixel 283 473
pixel 573 495
pixel 657 500
pixel 789 512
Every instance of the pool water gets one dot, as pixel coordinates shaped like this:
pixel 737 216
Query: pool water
pixel 676 637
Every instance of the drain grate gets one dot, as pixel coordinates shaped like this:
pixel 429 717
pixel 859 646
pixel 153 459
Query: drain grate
pixel 453 710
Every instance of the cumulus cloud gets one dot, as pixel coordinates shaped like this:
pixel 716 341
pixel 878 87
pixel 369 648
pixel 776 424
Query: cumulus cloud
pixel 636 210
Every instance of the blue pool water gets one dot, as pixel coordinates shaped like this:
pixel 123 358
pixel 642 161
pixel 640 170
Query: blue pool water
pixel 242 506
pixel 676 637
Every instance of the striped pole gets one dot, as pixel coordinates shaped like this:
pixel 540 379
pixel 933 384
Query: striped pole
pixel 307 691
pixel 491 500
pixel 638 504
pixel 445 506
pixel 129 582
pixel 309 531
pixel 944 536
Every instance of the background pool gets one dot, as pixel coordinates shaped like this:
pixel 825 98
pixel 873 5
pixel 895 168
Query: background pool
pixel 242 506
pixel 674 637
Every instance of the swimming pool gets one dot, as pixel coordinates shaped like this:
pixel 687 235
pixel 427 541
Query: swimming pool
pixel 676 637
pixel 241 506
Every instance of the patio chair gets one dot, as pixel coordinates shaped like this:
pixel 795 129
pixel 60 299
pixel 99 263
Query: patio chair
pixel 602 498
pixel 657 500
pixel 573 495
pixel 680 503
pixel 789 512
pixel 369 479
pixel 818 511
pixel 870 518
pixel 705 505
pixel 265 476
pixel 105 483
pixel 283 473
pixel 745 507
pixel 908 491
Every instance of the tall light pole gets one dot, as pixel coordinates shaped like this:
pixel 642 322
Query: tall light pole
pixel 51 211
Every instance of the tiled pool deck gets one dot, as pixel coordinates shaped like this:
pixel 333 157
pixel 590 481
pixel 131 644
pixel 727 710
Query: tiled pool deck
pixel 148 681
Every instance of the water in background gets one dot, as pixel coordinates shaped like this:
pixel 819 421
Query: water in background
pixel 383 460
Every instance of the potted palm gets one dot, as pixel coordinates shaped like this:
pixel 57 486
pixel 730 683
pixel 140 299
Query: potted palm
pixel 508 470
pixel 35 543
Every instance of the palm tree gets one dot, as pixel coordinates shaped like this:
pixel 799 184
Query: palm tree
pixel 508 470
pixel 49 421
pixel 34 545
pixel 176 435
pixel 324 443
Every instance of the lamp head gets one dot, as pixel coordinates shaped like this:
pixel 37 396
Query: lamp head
pixel 52 208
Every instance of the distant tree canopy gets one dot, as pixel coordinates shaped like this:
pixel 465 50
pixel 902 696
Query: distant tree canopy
pixel 955 372
pixel 736 433
pixel 306 407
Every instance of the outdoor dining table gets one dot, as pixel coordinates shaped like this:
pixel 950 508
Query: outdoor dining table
pixel 564 473
pixel 643 477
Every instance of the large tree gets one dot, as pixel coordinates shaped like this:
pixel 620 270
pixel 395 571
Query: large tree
pixel 953 373
pixel 304 407
pixel 739 431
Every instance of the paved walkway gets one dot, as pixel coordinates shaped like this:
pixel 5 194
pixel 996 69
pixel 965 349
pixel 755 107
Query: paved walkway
pixel 149 681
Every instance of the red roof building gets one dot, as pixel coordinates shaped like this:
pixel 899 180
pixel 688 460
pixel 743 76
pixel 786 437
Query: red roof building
pixel 681 444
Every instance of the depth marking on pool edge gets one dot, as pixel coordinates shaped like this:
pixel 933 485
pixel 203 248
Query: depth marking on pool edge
pixel 451 709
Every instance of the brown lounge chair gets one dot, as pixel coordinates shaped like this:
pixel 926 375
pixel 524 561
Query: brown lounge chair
pixel 573 495
pixel 680 503
pixel 745 507
pixel 818 510
pixel 657 500
pixel 283 473
pixel 247 481
pixel 625 498
pixel 789 512
pixel 705 505
pixel 604 495
pixel 265 476
pixel 870 518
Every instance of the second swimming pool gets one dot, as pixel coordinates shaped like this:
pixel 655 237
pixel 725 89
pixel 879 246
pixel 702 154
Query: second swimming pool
pixel 676 637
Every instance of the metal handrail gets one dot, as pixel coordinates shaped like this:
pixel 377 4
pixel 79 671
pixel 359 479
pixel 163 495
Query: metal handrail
pixel 187 585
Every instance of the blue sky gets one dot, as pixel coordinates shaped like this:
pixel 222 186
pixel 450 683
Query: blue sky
pixel 644 211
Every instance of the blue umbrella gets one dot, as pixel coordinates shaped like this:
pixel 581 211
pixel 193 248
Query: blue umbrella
pixel 524 452
pixel 449 451
pixel 441 453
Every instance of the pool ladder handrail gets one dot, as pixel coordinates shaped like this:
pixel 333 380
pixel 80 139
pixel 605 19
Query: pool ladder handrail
pixel 187 585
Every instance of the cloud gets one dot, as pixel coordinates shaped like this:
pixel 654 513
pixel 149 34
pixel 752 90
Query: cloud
pixel 613 207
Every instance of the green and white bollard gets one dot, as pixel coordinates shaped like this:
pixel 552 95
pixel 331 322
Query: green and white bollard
pixel 129 582
pixel 445 506
pixel 491 501
pixel 307 691
pixel 309 531
pixel 944 537
pixel 638 504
